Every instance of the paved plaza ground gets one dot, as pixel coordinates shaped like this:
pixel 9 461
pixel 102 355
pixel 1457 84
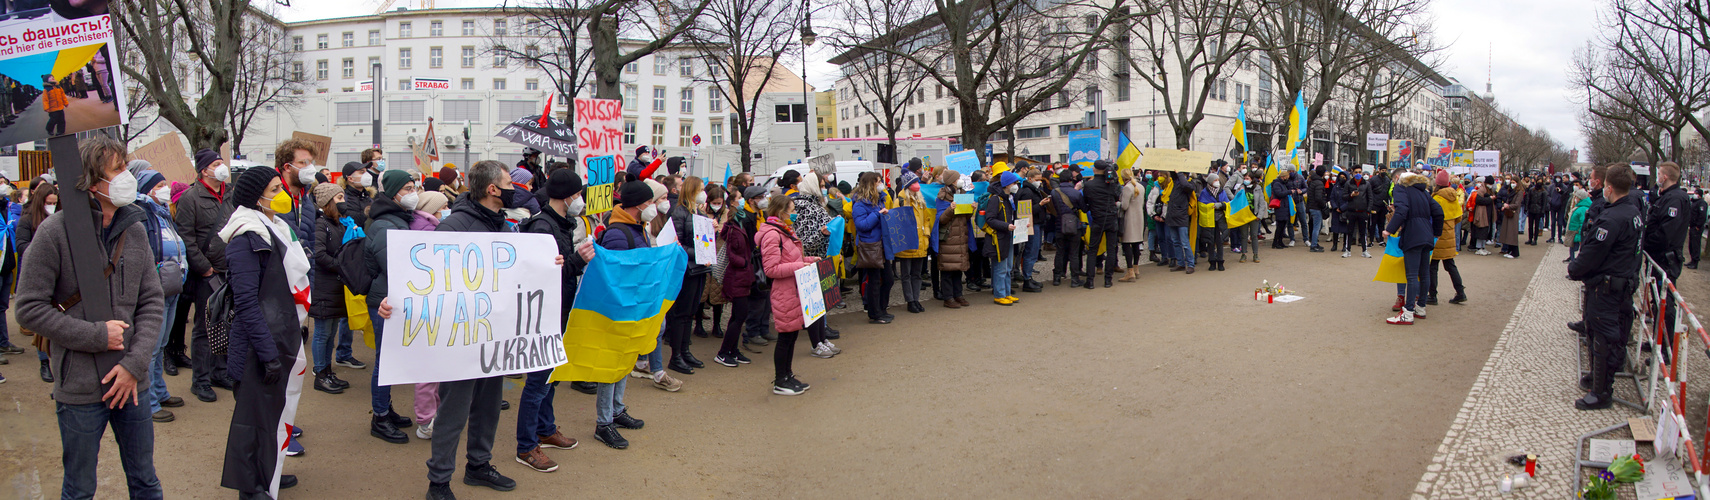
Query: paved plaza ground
pixel 1174 386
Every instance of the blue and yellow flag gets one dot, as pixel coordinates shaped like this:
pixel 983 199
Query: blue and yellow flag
pixel 1393 267
pixel 1241 209
pixel 1127 153
pixel 1297 122
pixel 619 309
pixel 1270 171
pixel 1240 131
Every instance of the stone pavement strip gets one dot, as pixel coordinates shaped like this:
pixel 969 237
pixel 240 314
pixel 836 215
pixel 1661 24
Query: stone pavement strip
pixel 1522 401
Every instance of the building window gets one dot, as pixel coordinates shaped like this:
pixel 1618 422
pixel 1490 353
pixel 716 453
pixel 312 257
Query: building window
pixel 922 119
pixel 508 111
pixel 436 57
pixel 1122 91
pixel 499 56
pixel 632 68
pixel 532 53
pixel 297 43
pixel 715 99
pixel 686 67
pixel 1033 133
pixel 373 37
pixel 468 56
pixel 1264 89
pixel 940 91
pixel 321 69
pixel 436 28
pixel 349 113
pixel 456 111
pixel 630 95
pixel 688 98
pixel 321 41
pixel 373 62
pixel 404 29
pixel 297 70
pixel 1223 90
pixel 347 68
pixel 468 27
pixel 629 132
pixel 660 65
pixel 685 130
pixel 498 84
pixel 952 113
pixel 531 27
pixel 717 133
pixel 791 113
pixel 940 117
pixel 1063 130
pixel 500 26
pixel 911 122
pixel 406 111
pixel 466 84
pixel 347 39
pixel 404 84
pixel 531 84
pixel 404 58
pixel 658 133
pixel 658 101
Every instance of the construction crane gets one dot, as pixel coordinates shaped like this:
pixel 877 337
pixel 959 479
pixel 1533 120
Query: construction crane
pixel 386 4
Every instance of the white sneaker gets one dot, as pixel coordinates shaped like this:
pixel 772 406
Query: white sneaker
pixel 1507 256
pixel 1346 253
pixel 640 373
pixel 1366 253
pixel 1482 251
pixel 425 431
pixel 1405 317
pixel 833 347
pixel 821 351
pixel 1291 243
pixel 1419 312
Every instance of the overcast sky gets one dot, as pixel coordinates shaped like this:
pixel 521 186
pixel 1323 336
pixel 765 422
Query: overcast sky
pixel 1526 44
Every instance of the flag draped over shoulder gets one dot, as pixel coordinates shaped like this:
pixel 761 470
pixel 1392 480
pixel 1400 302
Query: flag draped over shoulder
pixel 619 309
pixel 1393 268
pixel 1127 155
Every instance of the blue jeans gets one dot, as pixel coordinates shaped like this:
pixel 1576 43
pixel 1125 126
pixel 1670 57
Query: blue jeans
pixel 324 331
pixel 1183 245
pixel 534 410
pixel 380 395
pixel 1001 275
pixel 81 429
pixel 1166 241
pixel 1314 221
pixel 158 386
pixel 1031 256
pixel 656 359
pixel 1418 262
pixel 608 401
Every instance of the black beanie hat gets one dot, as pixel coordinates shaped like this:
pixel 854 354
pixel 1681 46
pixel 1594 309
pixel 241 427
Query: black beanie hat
pixel 634 193
pixel 431 183
pixel 673 164
pixel 247 190
pixel 563 183
pixel 205 157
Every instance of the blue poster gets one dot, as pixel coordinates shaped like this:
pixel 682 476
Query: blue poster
pixel 835 246
pixel 965 162
pixel 900 233
pixel 1083 146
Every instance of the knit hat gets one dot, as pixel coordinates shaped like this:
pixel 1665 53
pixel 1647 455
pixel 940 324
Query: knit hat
pixel 1007 178
pixel 205 157
pixel 673 164
pixel 520 176
pixel 562 184
pixel 1442 178
pixel 324 194
pixel 249 186
pixel 633 194
pixel 393 181
pixel 430 201
pixel 914 165
pixel 659 190
pixel 431 184
pixel 752 192
pixel 845 188
pixel 178 189
pixel 148 179
pixel 135 167
pixel 907 179
pixel 448 175
pixel 641 151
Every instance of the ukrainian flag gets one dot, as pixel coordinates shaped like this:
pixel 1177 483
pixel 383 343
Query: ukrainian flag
pixel 619 308
pixel 1271 172
pixel 1240 209
pixel 1240 131
pixel 1393 267
pixel 1297 123
pixel 1128 155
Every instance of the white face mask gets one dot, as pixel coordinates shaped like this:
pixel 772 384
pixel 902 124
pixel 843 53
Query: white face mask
pixel 365 180
pixel 700 198
pixel 122 189
pixel 5 190
pixel 1216 186
pixel 223 173
pixel 663 206
pixel 306 177
pixel 576 206
pixel 163 195
pixel 51 209
pixel 716 208
pixel 1014 188
pixel 647 214
pixel 409 201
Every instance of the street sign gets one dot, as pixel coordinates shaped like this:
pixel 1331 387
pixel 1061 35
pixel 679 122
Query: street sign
pixel 696 140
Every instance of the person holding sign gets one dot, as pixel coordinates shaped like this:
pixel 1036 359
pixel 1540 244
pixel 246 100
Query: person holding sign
pixel 690 203
pixel 392 209
pixel 781 255
pixel 999 214
pixel 536 425
pixel 871 203
pixel 912 263
pixel 268 268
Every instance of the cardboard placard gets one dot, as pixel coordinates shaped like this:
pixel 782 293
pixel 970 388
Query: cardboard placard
pixel 1604 450
pixel 601 175
pixel 1664 478
pixel 168 157
pixel 964 203
pixel 1643 429
pixel 828 281
pixel 1174 160
pixel 964 162
pixel 323 145
pixel 599 127
pixel 900 231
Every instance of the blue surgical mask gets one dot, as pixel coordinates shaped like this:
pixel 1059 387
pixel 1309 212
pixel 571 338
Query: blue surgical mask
pixel 380 164
pixel 793 218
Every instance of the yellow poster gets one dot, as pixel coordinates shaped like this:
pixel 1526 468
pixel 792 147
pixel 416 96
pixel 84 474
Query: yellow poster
pixel 1175 160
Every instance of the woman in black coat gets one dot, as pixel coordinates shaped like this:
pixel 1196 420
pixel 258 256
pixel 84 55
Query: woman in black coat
pixel 267 264
pixel 326 298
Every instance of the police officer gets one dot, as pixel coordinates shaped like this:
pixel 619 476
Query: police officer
pixel 1597 204
pixel 1666 224
pixel 1695 233
pixel 1608 264
pixel 1103 220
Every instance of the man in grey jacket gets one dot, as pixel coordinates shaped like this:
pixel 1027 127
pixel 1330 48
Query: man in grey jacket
pixel 99 366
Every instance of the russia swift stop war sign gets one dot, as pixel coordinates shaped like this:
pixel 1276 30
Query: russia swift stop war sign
pixel 57 76
pixel 470 305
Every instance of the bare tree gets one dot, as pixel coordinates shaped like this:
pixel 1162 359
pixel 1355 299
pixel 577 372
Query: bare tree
pixel 553 38
pixel 741 42
pixel 210 34
pixel 1477 125
pixel 883 83
pixel 1673 62
pixel 1183 54
pixel 1380 90
pixel 961 46
pixel 142 112
pixel 267 79
pixel 666 20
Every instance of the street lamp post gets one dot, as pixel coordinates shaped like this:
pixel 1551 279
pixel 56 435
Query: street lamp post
pixel 808 36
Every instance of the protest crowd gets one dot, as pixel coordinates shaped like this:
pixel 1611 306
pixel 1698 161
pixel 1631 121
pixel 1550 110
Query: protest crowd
pixel 295 256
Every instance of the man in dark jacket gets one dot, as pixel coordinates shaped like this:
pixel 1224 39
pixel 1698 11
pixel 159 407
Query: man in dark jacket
pixel 1608 265
pixel 1317 197
pixel 1033 194
pixel 1560 191
pixel 1666 224
pixel 1695 228
pixel 386 214
pixel 1104 219
pixel 1537 209
pixel 1418 221
pixel 536 425
pixel 100 366
pixel 1378 205
pixel 1069 205
pixel 1178 215
pixel 201 213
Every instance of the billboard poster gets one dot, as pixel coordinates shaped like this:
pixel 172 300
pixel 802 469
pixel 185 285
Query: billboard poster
pixel 1083 147
pixel 1440 151
pixel 57 77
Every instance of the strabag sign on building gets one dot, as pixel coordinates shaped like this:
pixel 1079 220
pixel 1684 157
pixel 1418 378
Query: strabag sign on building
pixel 429 84
pixel 471 305
pixel 64 76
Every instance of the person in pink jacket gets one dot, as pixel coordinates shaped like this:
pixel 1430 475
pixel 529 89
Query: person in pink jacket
pixel 780 257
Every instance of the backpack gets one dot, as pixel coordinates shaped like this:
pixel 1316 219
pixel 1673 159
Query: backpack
pixel 352 260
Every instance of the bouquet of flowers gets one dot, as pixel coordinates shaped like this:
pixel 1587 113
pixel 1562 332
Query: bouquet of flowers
pixel 1600 487
pixel 1627 469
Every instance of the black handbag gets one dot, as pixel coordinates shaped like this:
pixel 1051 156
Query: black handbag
pixel 219 316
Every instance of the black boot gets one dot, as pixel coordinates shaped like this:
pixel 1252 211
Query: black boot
pixel 381 427
pixel 1056 281
pixel 1109 281
pixel 47 373
pixel 689 357
pixel 678 365
pixel 1460 297
pixel 324 383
